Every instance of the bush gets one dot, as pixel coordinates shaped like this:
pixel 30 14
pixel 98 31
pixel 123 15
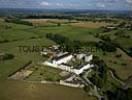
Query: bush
pixel 105 38
pixel 118 55
pixel 100 76
pixel 8 57
pixel 4 41
pixel 106 46
pixel 18 21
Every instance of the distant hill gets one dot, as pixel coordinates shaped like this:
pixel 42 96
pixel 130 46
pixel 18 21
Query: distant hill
pixel 25 12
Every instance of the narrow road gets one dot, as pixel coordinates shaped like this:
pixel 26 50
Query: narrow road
pixel 115 78
pixel 128 83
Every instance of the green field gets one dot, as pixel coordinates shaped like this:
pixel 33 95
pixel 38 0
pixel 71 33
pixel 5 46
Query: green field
pixel 44 73
pixel 19 35
pixel 22 35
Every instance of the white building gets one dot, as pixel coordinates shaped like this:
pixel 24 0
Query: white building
pixel 88 58
pixel 43 53
pixel 68 68
pixel 81 56
pixel 81 70
pixel 62 59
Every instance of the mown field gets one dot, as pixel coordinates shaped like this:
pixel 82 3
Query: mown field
pixel 19 90
pixel 81 24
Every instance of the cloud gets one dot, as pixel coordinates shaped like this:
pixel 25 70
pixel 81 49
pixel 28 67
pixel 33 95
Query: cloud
pixel 129 1
pixel 101 5
pixel 59 4
pixel 70 4
pixel 44 3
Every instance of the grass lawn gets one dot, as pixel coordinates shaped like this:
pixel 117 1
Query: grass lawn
pixel 21 58
pixel 45 73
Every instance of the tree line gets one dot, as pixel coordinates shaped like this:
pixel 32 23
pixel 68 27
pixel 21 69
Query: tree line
pixel 65 43
pixel 99 78
pixel 18 21
pixel 75 45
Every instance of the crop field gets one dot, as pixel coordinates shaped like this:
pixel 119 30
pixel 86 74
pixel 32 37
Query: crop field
pixel 92 25
pixel 81 24
pixel 50 22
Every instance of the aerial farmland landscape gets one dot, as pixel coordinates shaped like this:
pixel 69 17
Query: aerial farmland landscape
pixel 60 50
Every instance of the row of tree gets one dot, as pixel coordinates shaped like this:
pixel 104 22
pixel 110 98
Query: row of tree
pixel 75 45
pixel 106 46
pixel 120 94
pixel 18 21
pixel 65 43
pixel 99 78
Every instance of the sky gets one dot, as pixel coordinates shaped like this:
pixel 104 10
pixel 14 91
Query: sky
pixel 68 4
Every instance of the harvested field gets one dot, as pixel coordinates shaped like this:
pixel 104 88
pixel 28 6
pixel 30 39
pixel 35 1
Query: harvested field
pixel 43 22
pixel 19 90
pixel 90 24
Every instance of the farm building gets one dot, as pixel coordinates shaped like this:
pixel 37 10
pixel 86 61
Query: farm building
pixel 61 61
pixel 64 58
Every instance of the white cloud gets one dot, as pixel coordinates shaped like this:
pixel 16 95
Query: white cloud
pixel 44 3
pixel 59 4
pixel 101 5
pixel 129 1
